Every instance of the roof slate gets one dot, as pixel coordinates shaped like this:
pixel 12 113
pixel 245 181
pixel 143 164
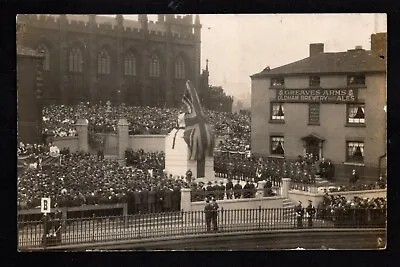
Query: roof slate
pixel 357 60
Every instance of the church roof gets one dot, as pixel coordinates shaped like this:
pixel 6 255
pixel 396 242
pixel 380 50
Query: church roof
pixel 357 60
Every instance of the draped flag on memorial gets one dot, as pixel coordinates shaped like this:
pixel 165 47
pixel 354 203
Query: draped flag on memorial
pixel 198 134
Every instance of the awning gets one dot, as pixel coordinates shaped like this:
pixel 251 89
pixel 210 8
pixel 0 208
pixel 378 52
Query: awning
pixel 312 137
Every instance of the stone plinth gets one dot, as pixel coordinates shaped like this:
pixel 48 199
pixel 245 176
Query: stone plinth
pixel 177 154
pixel 123 139
pixel 82 131
pixel 285 187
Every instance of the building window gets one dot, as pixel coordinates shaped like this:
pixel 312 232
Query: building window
pixel 356 79
pixel 46 61
pixel 75 60
pixel 315 81
pixel 277 112
pixel 313 113
pixel 130 64
pixel 277 82
pixel 355 152
pixel 179 68
pixel 103 62
pixel 356 114
pixel 154 66
pixel 277 143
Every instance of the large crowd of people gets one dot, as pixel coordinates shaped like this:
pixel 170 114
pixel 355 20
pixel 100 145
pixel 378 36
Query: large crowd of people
pixel 59 121
pixel 86 179
pixel 356 211
pixel 241 166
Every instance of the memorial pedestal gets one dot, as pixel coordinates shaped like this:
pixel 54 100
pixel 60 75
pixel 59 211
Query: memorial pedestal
pixel 177 154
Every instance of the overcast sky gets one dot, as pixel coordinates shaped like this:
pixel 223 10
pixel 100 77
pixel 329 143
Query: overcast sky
pixel 239 45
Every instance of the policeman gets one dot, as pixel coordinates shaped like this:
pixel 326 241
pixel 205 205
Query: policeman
pixel 208 210
pixel 310 213
pixel 214 217
pixel 299 214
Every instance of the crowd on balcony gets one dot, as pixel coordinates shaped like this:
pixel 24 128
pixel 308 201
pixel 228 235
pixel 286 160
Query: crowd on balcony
pixel 86 179
pixel 59 121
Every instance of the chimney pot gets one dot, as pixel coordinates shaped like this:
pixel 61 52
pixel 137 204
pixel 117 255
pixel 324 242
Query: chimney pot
pixel 359 47
pixel 316 48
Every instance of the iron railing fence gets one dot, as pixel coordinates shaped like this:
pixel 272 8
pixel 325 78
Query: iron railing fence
pixel 31 234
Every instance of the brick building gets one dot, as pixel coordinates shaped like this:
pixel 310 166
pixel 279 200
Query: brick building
pixel 29 91
pixel 100 58
pixel 328 104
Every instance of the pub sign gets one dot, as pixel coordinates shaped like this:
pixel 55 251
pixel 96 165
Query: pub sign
pixel 317 95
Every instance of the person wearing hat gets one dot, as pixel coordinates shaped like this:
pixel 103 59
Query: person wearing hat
pixel 237 190
pixel 208 210
pixel 299 214
pixel 229 187
pixel 214 217
pixel 310 213
pixel 221 193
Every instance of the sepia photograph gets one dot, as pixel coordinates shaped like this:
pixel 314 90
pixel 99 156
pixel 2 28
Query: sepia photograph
pixel 201 132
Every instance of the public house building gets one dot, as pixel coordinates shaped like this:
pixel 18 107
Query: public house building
pixel 101 58
pixel 331 105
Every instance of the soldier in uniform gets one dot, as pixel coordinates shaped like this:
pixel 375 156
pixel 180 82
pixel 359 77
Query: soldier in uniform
pixel 222 191
pixel 299 214
pixel 208 209
pixel 214 217
pixel 310 213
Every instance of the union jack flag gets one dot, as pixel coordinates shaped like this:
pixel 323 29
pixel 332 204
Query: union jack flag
pixel 198 134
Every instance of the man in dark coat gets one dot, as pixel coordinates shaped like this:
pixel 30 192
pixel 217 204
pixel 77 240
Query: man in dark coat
pixel 214 217
pixel 159 200
pixel 208 210
pixel 152 200
pixel 354 177
pixel 137 201
pixel 310 213
pixel 268 188
pixel 299 214
pixel 221 194
pixel 229 187
pixel 167 199
pixel 247 190
pixel 176 199
pixel 252 190
pixel 144 198
pixel 237 189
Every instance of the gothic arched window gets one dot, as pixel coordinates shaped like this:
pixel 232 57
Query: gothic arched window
pixel 75 60
pixel 154 66
pixel 130 64
pixel 46 61
pixel 103 62
pixel 179 68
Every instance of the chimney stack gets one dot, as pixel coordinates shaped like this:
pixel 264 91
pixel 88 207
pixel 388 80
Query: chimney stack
pixel 316 49
pixel 379 43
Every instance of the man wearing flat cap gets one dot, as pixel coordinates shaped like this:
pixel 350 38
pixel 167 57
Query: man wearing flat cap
pixel 310 212
pixel 299 214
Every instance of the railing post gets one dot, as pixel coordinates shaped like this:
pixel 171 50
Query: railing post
pixel 186 204
pixel 259 217
pixel 285 187
pixel 125 213
pixel 45 232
